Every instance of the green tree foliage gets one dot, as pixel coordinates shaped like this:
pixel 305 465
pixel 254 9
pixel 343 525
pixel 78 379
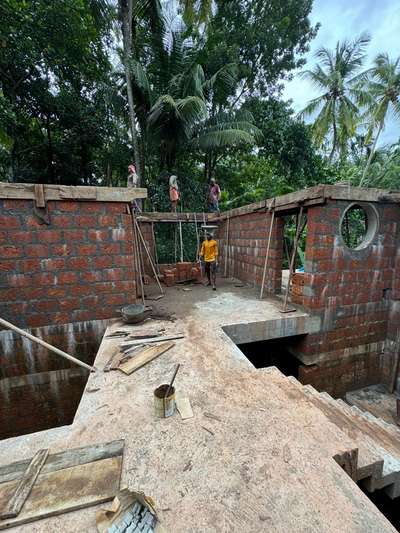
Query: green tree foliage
pixel 335 75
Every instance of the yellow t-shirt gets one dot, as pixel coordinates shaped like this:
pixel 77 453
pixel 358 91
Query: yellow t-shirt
pixel 209 251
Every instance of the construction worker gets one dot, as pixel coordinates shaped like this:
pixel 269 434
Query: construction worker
pixel 174 195
pixel 213 196
pixel 209 254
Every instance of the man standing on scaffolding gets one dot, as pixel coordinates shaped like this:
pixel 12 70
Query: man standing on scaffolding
pixel 209 253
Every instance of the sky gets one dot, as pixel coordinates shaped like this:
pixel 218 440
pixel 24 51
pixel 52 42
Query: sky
pixel 346 19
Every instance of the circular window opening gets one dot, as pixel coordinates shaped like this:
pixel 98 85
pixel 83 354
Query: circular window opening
pixel 358 226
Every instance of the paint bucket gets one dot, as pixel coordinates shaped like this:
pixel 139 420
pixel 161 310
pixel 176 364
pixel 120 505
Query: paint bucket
pixel 164 407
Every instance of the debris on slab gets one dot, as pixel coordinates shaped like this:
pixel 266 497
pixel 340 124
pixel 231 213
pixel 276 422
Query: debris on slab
pixel 184 408
pixel 130 512
pixel 144 356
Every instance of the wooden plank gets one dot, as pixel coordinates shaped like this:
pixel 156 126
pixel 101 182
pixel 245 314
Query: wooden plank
pixel 25 485
pixel 66 490
pixel 39 195
pixel 184 408
pixel 26 191
pixel 65 459
pixel 177 217
pixel 145 357
pixel 148 340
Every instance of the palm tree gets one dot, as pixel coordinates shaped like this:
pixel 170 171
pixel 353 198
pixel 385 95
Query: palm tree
pixel 335 74
pixel 380 94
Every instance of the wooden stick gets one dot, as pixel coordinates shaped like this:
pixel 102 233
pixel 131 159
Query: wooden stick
pixel 267 252
pixel 393 379
pixel 155 248
pixel 197 238
pixel 171 383
pixel 227 246
pixel 136 250
pixel 45 344
pixel 149 256
pixel 24 487
pixel 181 240
pixel 146 340
pixel 292 259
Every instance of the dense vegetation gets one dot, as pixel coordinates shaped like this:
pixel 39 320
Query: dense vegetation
pixel 192 88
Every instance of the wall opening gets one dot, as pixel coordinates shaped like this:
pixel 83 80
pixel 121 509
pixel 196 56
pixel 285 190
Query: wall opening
pixel 390 508
pixel 358 226
pixel 168 241
pixel 289 233
pixel 38 389
pixel 274 352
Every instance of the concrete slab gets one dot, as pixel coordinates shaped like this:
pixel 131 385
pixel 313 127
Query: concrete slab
pixel 261 462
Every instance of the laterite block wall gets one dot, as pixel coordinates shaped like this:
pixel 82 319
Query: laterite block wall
pixel 246 249
pixel 79 267
pixel 352 291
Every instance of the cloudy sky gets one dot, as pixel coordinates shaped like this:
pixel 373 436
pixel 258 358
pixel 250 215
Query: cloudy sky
pixel 346 19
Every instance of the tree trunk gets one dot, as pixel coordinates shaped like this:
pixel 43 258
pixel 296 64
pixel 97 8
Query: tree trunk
pixel 371 155
pixel 126 7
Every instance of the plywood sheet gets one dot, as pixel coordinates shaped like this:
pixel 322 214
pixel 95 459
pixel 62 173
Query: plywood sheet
pixel 66 489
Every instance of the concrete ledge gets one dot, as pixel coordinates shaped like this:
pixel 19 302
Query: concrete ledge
pixel 272 329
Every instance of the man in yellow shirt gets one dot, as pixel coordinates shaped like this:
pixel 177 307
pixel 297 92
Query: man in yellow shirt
pixel 209 253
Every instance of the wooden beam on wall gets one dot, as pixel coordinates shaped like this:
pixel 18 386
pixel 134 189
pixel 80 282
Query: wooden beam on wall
pixel 26 191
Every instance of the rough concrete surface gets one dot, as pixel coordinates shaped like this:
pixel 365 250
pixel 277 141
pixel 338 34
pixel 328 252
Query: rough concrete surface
pixel 261 462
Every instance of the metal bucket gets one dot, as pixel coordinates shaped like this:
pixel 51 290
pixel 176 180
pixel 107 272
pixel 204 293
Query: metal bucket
pixel 164 407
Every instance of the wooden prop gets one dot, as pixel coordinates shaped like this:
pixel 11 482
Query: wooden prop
pixel 292 260
pixel 227 247
pixel 147 355
pixel 25 485
pixel 393 379
pixel 181 240
pixel 68 481
pixel 149 256
pixel 50 347
pixel 138 269
pixel 271 225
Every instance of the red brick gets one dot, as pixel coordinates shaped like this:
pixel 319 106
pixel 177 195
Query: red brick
pixel 38 320
pixel 10 251
pixel 9 265
pixel 91 275
pixel 54 263
pixel 19 280
pixel 79 263
pixel 61 250
pixel 116 207
pixel 3 236
pixel 114 274
pixel 49 235
pixel 9 222
pixel 86 221
pixel 92 207
pixel 106 286
pixel 21 237
pixel 17 205
pixel 113 299
pixel 82 290
pixel 45 305
pixel 89 302
pixel 123 260
pixel 69 304
pixel 62 221
pixel 67 277
pixel 98 235
pixel 45 278
pixel 109 248
pixel 108 220
pixel 102 262
pixel 81 315
pixel 86 249
pixel 122 286
pixel 32 293
pixel 74 235
pixel 37 250
pixel 67 206
pixel 56 292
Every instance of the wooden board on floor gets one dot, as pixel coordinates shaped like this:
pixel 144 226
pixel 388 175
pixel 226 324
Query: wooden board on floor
pixel 184 408
pixel 68 481
pixel 144 357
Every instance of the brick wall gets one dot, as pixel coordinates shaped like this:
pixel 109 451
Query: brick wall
pixel 248 236
pixel 79 267
pixel 351 291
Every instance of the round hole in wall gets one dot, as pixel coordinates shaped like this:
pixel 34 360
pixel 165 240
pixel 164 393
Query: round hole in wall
pixel 358 226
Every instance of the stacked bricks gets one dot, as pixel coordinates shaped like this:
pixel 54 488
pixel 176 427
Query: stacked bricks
pixel 350 290
pixel 184 271
pixel 79 267
pixel 248 237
